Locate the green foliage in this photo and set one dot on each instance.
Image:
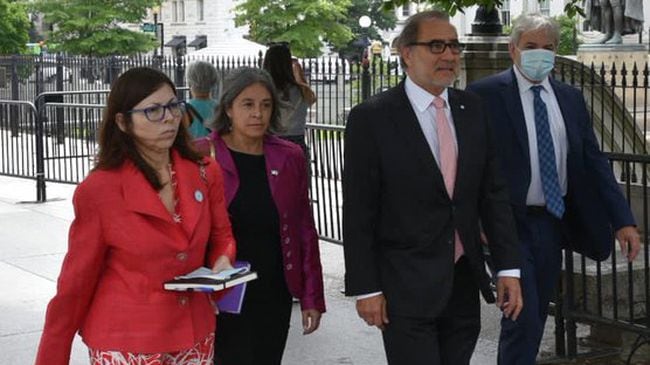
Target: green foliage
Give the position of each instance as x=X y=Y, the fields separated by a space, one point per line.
x=92 y=27
x=381 y=20
x=572 y=7
x=14 y=27
x=568 y=37
x=305 y=24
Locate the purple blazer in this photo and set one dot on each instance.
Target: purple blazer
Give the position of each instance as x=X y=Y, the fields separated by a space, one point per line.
x=287 y=175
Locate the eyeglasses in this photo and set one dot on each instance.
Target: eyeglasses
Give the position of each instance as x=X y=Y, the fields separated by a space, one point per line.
x=437 y=46
x=156 y=113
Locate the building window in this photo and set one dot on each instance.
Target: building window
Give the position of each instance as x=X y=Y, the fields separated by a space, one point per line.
x=406 y=9
x=199 y=10
x=504 y=10
x=174 y=11
x=545 y=7
x=181 y=11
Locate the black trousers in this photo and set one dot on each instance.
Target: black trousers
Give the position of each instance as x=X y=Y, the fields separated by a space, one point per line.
x=256 y=338
x=446 y=340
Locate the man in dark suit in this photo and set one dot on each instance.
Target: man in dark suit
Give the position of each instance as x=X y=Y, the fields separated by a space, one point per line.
x=420 y=171
x=561 y=186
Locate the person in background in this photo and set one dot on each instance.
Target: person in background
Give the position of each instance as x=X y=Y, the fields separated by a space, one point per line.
x=266 y=193
x=151 y=209
x=202 y=78
x=303 y=83
x=295 y=95
x=561 y=187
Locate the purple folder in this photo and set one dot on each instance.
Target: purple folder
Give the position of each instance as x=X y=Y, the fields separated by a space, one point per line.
x=233 y=300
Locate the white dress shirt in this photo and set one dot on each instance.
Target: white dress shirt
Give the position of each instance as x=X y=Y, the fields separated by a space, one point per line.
x=421 y=100
x=558 y=134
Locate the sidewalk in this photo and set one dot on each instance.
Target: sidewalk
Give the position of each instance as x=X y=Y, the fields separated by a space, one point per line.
x=33 y=242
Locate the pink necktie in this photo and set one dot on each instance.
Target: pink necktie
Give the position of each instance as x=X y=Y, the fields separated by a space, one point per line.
x=448 y=156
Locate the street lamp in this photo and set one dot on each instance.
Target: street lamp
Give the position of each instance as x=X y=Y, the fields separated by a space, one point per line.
x=364 y=21
x=156 y=10
x=363 y=43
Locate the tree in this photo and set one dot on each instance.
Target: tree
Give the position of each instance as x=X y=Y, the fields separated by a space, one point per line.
x=14 y=27
x=305 y=24
x=381 y=20
x=571 y=8
x=93 y=27
x=568 y=40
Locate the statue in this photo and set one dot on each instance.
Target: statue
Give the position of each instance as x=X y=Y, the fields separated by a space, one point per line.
x=615 y=18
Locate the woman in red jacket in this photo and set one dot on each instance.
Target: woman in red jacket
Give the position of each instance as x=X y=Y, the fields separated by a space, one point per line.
x=151 y=209
x=266 y=192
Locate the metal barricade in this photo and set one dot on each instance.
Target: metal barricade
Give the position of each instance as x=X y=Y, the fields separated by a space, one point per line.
x=326 y=167
x=19 y=139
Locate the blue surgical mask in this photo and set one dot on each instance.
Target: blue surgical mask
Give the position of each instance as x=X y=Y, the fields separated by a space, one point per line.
x=536 y=64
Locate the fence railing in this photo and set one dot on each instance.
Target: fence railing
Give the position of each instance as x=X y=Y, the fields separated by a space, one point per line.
x=613 y=294
x=18 y=142
x=326 y=167
x=338 y=84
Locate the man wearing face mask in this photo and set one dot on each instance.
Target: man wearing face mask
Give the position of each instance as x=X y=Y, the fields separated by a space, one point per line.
x=562 y=190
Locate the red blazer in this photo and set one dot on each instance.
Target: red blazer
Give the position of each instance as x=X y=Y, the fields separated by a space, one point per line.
x=286 y=171
x=123 y=244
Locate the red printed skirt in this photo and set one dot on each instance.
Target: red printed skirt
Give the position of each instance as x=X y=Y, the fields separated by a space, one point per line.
x=201 y=354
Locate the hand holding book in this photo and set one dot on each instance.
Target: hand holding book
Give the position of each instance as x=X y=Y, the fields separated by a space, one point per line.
x=221 y=263
x=204 y=279
x=204 y=272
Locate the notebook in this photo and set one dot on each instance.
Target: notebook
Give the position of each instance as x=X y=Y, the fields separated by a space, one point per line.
x=203 y=279
x=232 y=301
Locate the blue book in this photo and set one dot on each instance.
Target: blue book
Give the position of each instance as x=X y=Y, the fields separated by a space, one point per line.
x=233 y=300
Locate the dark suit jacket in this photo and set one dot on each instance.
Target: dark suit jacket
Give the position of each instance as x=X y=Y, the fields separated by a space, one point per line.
x=594 y=202
x=399 y=221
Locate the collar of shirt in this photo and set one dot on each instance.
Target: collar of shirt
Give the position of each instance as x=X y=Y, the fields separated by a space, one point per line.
x=420 y=98
x=524 y=84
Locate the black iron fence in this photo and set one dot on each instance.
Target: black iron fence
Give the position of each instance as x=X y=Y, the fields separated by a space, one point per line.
x=338 y=84
x=612 y=296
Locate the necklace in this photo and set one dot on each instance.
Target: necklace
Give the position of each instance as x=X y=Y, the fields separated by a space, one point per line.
x=176 y=217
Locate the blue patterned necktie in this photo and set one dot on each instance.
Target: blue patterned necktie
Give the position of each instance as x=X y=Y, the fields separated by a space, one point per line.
x=546 y=155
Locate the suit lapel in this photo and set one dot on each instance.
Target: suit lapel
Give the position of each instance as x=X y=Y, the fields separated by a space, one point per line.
x=139 y=196
x=510 y=94
x=274 y=165
x=407 y=125
x=223 y=156
x=567 y=114
x=192 y=192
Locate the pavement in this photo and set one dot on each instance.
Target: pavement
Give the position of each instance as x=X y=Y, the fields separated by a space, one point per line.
x=33 y=242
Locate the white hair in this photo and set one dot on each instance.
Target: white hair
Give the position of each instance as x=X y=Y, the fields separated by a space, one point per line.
x=201 y=76
x=535 y=21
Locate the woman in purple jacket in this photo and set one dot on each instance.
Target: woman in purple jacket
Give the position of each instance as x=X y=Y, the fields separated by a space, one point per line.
x=266 y=191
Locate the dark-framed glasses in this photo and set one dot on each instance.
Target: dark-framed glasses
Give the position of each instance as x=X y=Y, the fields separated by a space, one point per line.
x=437 y=46
x=156 y=113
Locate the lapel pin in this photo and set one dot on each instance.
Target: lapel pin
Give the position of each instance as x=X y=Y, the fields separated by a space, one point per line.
x=462 y=106
x=274 y=172
x=198 y=195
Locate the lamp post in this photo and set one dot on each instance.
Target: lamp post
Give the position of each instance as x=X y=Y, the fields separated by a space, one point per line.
x=364 y=23
x=156 y=10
